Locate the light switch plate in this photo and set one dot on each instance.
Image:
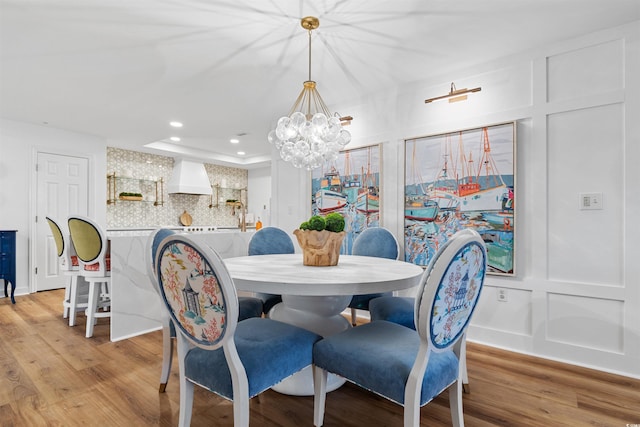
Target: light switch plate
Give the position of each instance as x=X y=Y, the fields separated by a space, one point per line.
x=591 y=201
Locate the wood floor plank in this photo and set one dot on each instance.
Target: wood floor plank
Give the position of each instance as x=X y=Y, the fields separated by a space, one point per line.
x=51 y=375
x=15 y=384
x=54 y=379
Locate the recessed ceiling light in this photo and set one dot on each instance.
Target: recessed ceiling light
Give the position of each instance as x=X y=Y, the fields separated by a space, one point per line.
x=176 y=124
x=174 y=139
x=234 y=140
x=241 y=153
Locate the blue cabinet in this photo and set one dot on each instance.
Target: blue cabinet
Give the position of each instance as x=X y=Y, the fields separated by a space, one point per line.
x=8 y=261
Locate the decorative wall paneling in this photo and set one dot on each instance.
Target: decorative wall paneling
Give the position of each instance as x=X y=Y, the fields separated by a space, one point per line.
x=575 y=297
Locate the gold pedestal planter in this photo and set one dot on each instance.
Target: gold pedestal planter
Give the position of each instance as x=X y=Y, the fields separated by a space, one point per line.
x=319 y=248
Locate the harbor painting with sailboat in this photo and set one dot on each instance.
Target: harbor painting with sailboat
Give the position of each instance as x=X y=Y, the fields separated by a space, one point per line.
x=462 y=179
x=350 y=186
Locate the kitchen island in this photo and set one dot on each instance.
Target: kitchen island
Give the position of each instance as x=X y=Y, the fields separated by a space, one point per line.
x=135 y=305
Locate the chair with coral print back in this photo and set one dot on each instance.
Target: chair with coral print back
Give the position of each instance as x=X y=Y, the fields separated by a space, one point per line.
x=376 y=242
x=92 y=249
x=75 y=292
x=248 y=306
x=236 y=360
x=424 y=362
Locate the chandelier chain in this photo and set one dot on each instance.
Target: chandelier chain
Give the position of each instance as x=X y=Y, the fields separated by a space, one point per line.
x=309 y=55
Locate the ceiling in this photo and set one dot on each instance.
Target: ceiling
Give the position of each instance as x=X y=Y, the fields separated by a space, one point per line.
x=122 y=70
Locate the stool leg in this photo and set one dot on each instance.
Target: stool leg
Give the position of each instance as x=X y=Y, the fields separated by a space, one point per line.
x=67 y=298
x=105 y=296
x=94 y=294
x=73 y=300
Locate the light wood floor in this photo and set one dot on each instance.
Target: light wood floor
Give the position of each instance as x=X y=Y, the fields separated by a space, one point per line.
x=51 y=375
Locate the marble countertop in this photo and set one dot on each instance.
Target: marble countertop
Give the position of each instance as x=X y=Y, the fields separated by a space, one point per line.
x=173 y=227
x=129 y=232
x=135 y=305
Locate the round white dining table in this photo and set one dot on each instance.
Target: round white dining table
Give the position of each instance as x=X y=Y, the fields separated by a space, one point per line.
x=315 y=297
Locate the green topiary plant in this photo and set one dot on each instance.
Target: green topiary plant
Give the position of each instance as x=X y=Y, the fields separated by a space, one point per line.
x=317 y=223
x=334 y=222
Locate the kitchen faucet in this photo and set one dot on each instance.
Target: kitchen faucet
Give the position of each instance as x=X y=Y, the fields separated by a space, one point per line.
x=242 y=217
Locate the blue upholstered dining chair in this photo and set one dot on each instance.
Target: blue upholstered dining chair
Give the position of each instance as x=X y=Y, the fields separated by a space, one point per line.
x=406 y=366
x=375 y=242
x=248 y=306
x=401 y=310
x=236 y=360
x=268 y=241
x=94 y=259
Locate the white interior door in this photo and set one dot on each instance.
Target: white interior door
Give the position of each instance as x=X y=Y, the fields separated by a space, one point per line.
x=63 y=184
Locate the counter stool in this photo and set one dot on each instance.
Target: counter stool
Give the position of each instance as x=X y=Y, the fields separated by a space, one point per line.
x=92 y=248
x=75 y=292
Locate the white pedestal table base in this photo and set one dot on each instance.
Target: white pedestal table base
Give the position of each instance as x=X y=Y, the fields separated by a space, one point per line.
x=319 y=314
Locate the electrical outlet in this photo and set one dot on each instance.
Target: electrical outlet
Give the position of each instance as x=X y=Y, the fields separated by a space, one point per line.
x=502 y=295
x=590 y=201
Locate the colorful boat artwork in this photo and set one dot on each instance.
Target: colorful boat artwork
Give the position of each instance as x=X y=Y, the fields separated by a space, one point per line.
x=464 y=188
x=350 y=185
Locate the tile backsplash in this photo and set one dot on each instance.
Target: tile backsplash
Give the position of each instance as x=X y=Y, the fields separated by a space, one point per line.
x=150 y=167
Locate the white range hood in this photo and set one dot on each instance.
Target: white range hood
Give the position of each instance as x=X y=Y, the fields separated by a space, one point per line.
x=189 y=177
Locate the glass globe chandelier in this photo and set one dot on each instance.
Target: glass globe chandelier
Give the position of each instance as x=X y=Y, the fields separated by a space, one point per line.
x=309 y=135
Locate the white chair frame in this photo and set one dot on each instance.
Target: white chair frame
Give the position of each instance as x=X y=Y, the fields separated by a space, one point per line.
x=425 y=300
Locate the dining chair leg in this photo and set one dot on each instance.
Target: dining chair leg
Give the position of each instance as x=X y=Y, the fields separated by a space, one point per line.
x=455 y=404
x=320 y=395
x=466 y=388
x=353 y=317
x=167 y=357
x=186 y=403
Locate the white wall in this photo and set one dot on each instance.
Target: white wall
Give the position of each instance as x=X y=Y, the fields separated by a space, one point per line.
x=259 y=194
x=19 y=145
x=576 y=293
